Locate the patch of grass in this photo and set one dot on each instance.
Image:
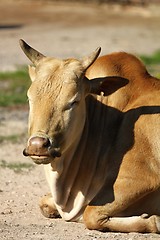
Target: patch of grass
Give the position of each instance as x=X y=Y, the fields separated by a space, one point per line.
x=13 y=87
x=158 y=75
x=152 y=59
x=152 y=63
x=16 y=166
x=12 y=138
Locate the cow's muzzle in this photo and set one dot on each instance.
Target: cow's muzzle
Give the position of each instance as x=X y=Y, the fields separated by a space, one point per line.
x=41 y=150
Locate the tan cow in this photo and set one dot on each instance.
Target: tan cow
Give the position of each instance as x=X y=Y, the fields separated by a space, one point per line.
x=99 y=139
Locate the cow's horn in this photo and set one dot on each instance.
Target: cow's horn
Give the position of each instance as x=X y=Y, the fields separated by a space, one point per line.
x=87 y=61
x=30 y=52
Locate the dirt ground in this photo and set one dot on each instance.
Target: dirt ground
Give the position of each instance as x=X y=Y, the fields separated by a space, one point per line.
x=60 y=30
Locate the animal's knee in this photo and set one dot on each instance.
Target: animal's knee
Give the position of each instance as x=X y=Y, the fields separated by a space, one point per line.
x=94 y=219
x=47 y=207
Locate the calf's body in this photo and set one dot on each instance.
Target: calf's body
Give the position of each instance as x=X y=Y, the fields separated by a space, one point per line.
x=95 y=124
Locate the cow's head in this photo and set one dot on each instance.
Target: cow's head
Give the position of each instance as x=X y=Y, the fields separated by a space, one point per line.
x=57 y=102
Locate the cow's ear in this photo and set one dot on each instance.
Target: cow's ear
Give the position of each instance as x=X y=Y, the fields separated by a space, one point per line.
x=107 y=85
x=32 y=72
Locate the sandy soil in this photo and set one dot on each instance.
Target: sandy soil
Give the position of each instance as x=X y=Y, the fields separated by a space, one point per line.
x=61 y=30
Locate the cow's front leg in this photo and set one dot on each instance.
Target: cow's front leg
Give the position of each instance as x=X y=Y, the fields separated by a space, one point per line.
x=96 y=218
x=47 y=207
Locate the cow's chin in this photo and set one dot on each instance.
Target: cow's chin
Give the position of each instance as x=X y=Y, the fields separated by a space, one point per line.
x=41 y=159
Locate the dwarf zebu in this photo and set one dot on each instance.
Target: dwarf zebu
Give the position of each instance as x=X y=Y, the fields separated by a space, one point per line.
x=95 y=125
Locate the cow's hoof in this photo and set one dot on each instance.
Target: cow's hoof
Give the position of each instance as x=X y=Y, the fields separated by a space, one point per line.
x=154 y=224
x=47 y=207
x=157 y=221
x=154 y=221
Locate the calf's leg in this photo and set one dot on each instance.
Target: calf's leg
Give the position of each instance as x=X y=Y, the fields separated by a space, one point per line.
x=107 y=216
x=95 y=218
x=47 y=207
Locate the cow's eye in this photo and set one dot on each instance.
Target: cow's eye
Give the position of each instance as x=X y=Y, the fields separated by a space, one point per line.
x=71 y=105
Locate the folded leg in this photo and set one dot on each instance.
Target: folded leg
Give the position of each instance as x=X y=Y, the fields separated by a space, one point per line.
x=48 y=207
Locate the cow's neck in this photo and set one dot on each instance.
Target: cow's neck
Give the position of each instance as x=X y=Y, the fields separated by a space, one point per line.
x=81 y=171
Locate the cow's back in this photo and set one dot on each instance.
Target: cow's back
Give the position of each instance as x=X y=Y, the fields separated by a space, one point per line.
x=142 y=89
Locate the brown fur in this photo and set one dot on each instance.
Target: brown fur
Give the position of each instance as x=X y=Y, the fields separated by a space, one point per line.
x=106 y=133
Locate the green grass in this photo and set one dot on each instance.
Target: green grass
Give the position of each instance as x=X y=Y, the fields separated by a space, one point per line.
x=151 y=59
x=16 y=166
x=13 y=87
x=152 y=63
x=15 y=138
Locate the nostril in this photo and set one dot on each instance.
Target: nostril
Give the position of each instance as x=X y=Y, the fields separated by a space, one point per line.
x=25 y=153
x=46 y=142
